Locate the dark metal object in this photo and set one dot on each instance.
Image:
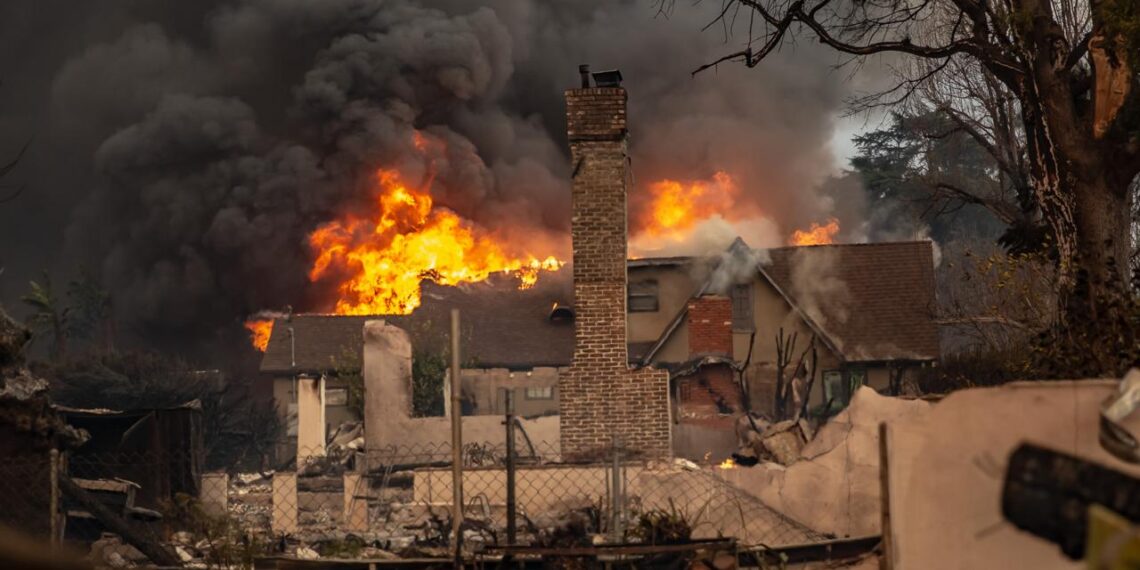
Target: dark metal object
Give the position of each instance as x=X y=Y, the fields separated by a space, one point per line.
x=512 y=508
x=1048 y=493
x=584 y=72
x=611 y=549
x=828 y=550
x=456 y=443
x=608 y=78
x=616 y=530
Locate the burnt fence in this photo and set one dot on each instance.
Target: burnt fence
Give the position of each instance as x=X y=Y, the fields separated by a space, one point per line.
x=390 y=502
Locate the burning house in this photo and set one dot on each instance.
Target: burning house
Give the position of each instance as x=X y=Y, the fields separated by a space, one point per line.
x=661 y=352
x=825 y=318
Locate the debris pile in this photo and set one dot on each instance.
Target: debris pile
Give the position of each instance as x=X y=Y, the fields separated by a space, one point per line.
x=25 y=410
x=250 y=501
x=832 y=484
x=344 y=446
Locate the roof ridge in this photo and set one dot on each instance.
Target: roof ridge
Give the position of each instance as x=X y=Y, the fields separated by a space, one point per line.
x=859 y=244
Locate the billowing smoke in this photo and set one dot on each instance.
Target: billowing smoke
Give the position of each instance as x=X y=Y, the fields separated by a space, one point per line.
x=185 y=152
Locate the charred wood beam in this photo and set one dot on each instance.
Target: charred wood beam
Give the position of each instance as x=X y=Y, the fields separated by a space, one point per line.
x=154 y=550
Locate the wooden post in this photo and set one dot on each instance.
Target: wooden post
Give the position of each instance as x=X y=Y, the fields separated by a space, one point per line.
x=56 y=535
x=456 y=443
x=887 y=561
x=158 y=553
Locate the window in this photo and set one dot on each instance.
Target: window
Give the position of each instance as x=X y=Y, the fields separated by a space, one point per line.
x=833 y=388
x=540 y=393
x=336 y=396
x=742 y=307
x=643 y=297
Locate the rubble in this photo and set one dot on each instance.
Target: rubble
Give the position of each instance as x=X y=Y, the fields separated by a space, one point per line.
x=762 y=441
x=25 y=408
x=833 y=483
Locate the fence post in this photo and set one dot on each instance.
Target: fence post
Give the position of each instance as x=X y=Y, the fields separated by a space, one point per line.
x=456 y=442
x=54 y=478
x=214 y=492
x=512 y=508
x=355 y=505
x=284 y=518
x=618 y=503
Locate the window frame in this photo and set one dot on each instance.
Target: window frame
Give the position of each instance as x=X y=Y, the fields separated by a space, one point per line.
x=548 y=392
x=339 y=390
x=743 y=308
x=631 y=294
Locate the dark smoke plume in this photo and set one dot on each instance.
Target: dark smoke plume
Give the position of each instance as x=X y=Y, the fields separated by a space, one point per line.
x=185 y=151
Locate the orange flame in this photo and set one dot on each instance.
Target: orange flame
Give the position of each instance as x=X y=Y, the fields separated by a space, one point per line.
x=727 y=464
x=817 y=234
x=676 y=207
x=259 y=332
x=409 y=239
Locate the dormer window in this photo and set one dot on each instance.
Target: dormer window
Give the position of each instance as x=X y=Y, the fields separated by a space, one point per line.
x=643 y=296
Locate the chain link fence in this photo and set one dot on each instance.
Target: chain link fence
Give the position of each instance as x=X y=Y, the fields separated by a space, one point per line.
x=382 y=503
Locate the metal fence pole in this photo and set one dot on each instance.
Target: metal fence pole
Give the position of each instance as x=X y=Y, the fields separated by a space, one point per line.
x=54 y=478
x=617 y=506
x=512 y=508
x=456 y=443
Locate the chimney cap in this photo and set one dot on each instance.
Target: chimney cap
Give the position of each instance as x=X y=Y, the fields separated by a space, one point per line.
x=584 y=73
x=608 y=78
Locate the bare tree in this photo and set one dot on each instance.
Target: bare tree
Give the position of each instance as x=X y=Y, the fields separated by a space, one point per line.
x=785 y=349
x=7 y=194
x=1047 y=85
x=799 y=385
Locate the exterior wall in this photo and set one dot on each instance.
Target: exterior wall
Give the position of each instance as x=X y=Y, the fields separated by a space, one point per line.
x=310 y=416
x=674 y=288
x=483 y=389
x=600 y=396
x=388 y=425
x=710 y=391
x=710 y=325
x=285 y=403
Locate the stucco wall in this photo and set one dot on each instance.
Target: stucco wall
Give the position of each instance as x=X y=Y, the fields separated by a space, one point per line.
x=483 y=388
x=674 y=287
x=388 y=424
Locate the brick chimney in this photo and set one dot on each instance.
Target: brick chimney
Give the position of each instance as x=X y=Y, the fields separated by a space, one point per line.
x=600 y=397
x=710 y=326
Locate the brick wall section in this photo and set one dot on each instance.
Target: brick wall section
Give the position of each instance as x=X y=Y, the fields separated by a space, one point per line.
x=599 y=395
x=712 y=390
x=710 y=325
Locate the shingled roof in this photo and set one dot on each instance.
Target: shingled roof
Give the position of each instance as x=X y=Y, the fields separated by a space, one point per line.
x=880 y=296
x=503 y=327
x=868 y=302
x=872 y=302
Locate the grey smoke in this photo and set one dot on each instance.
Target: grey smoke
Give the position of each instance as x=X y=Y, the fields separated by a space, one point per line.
x=185 y=151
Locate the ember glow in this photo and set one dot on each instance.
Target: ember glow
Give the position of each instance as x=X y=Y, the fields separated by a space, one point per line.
x=382 y=258
x=259 y=331
x=817 y=234
x=727 y=464
x=676 y=207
